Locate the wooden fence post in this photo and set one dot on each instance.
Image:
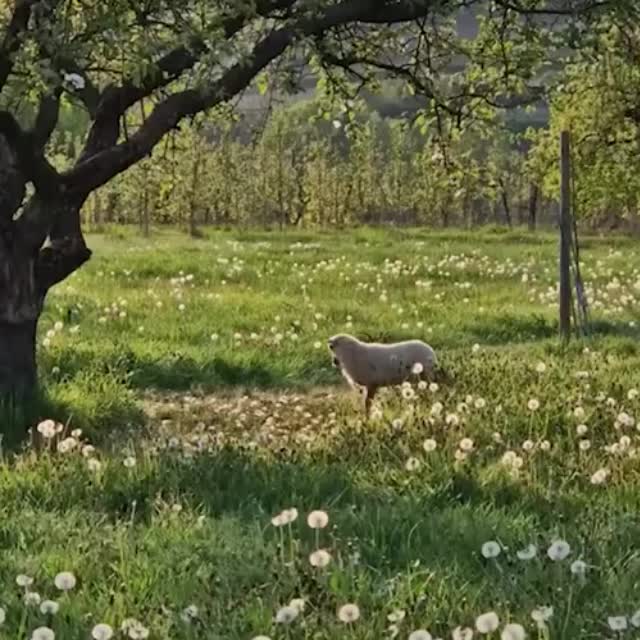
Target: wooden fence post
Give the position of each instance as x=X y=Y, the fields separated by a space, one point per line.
x=565 y=236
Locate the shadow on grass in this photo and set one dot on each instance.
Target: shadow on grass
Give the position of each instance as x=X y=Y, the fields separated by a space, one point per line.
x=512 y=329
x=391 y=525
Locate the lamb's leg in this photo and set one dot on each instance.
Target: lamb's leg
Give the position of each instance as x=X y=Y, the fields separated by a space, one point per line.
x=369 y=395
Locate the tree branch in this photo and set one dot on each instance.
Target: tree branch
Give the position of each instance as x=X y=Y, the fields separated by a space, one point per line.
x=31 y=160
x=46 y=118
x=116 y=100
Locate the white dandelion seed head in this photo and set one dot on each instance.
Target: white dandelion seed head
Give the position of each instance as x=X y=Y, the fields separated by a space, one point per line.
x=349 y=613
x=429 y=445
x=541 y=367
x=32 y=599
x=466 y=445
x=420 y=634
x=491 y=549
x=320 y=558
x=102 y=631
x=129 y=462
x=24 y=581
x=397 y=615
x=578 y=567
x=541 y=615
x=462 y=633
x=487 y=622
x=47 y=429
x=318 y=519
x=545 y=445
x=433 y=387
x=528 y=553
x=190 y=613
x=65 y=581
x=49 y=607
x=617 y=623
x=412 y=464
x=94 y=465
x=43 y=633
x=286 y=615
x=582 y=429
x=67 y=445
x=417 y=368
x=559 y=550
x=533 y=404
x=579 y=413
x=513 y=631
x=298 y=603
x=600 y=476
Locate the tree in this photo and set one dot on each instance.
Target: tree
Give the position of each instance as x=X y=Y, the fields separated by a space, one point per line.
x=183 y=58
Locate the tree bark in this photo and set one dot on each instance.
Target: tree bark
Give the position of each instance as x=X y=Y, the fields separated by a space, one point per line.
x=533 y=206
x=18 y=370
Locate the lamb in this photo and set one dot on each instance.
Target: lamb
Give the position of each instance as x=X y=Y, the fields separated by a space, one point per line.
x=373 y=365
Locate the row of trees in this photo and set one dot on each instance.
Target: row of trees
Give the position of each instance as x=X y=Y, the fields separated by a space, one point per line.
x=344 y=170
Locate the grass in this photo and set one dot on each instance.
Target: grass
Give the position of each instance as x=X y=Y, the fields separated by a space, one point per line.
x=211 y=418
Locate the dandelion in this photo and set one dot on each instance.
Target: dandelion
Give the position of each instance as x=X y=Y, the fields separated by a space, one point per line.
x=318 y=519
x=600 y=477
x=584 y=445
x=528 y=553
x=545 y=445
x=32 y=599
x=475 y=348
x=349 y=613
x=43 y=633
x=129 y=462
x=579 y=413
x=582 y=429
x=298 y=603
x=528 y=445
x=632 y=394
x=487 y=623
x=533 y=404
x=408 y=393
x=49 y=607
x=320 y=558
x=559 y=550
x=420 y=634
x=137 y=631
x=491 y=549
x=417 y=368
x=541 y=615
x=635 y=619
x=480 y=403
x=102 y=631
x=398 y=615
x=617 y=623
x=429 y=445
x=578 y=567
x=541 y=367
x=261 y=638
x=94 y=465
x=513 y=631
x=462 y=633
x=466 y=445
x=24 y=581
x=47 y=429
x=67 y=445
x=433 y=387
x=397 y=424
x=88 y=450
x=412 y=464
x=65 y=581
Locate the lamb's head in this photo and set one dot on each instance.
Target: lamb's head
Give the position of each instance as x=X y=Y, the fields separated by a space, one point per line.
x=340 y=345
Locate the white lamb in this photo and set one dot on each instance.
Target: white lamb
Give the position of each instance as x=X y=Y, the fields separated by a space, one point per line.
x=373 y=365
